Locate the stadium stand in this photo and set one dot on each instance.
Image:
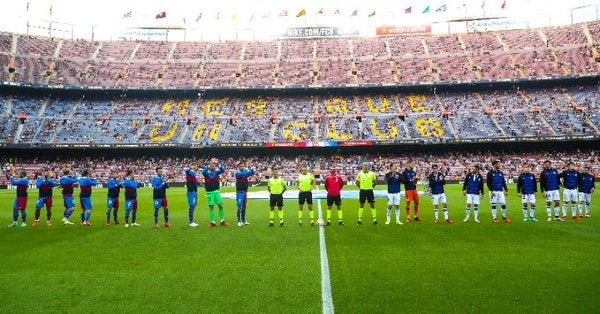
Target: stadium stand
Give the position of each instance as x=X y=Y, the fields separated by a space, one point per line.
x=546 y=52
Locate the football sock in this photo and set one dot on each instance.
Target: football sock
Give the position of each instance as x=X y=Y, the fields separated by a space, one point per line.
x=300 y=214
x=416 y=209
x=15 y=214
x=115 y=214
x=504 y=211
x=49 y=213
x=239 y=214
x=476 y=212
x=556 y=210
x=166 y=214
x=436 y=213
x=244 y=214
x=23 y=216
x=281 y=215
x=574 y=209
x=374 y=214
x=328 y=214
x=565 y=208
x=389 y=214
x=222 y=214
x=82 y=216
x=407 y=209
x=134 y=216
x=88 y=215
x=445 y=213
x=360 y=213
x=532 y=212
x=191 y=214
x=494 y=211
x=71 y=210
x=525 y=211
x=108 y=212
x=37 y=213
x=468 y=212
x=127 y=216
x=212 y=215
x=156 y=216
x=340 y=215
x=311 y=214
x=271 y=215
x=397 y=213
x=549 y=210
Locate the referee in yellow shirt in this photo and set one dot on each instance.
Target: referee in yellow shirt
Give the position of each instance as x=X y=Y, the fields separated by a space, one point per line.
x=306 y=183
x=276 y=188
x=366 y=181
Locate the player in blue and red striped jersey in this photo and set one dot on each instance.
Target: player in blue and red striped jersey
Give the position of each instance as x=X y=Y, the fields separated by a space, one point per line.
x=66 y=183
x=112 y=198
x=45 y=184
x=85 y=197
x=241 y=191
x=20 y=204
x=131 y=204
x=191 y=183
x=159 y=195
x=212 y=183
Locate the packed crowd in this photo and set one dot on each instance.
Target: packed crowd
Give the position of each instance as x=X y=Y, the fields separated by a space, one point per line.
x=551 y=52
x=452 y=165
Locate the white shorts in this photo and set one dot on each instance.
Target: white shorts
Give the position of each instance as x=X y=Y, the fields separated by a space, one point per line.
x=497 y=197
x=570 y=195
x=393 y=199
x=528 y=199
x=552 y=196
x=585 y=197
x=439 y=198
x=473 y=199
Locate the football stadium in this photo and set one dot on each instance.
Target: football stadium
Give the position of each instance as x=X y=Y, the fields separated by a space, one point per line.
x=300 y=156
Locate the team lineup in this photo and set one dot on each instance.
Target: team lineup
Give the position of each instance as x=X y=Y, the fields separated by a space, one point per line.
x=577 y=190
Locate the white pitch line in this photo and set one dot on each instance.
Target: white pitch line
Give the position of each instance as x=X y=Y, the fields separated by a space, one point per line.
x=325 y=280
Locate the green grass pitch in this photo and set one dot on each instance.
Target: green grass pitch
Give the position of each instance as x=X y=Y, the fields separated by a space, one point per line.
x=418 y=267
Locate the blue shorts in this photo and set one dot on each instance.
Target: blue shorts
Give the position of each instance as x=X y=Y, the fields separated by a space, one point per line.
x=44 y=201
x=112 y=203
x=86 y=203
x=69 y=202
x=160 y=202
x=130 y=205
x=192 y=198
x=241 y=198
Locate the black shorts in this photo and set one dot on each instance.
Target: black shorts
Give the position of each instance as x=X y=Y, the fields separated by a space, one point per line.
x=366 y=195
x=334 y=199
x=305 y=197
x=276 y=200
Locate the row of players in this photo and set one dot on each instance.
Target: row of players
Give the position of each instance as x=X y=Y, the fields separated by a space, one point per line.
x=577 y=191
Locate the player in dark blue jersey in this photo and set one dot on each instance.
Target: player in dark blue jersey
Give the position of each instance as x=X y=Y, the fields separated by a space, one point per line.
x=498 y=190
x=86 y=182
x=241 y=191
x=473 y=189
x=112 y=198
x=435 y=186
x=394 y=181
x=570 y=182
x=45 y=184
x=527 y=190
x=550 y=188
x=191 y=183
x=587 y=185
x=160 y=184
x=66 y=183
x=20 y=204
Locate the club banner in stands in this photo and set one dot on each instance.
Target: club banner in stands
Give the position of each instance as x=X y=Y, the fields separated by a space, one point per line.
x=402 y=30
x=495 y=25
x=319 y=31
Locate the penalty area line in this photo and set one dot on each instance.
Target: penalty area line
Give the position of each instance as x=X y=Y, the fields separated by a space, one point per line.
x=325 y=279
